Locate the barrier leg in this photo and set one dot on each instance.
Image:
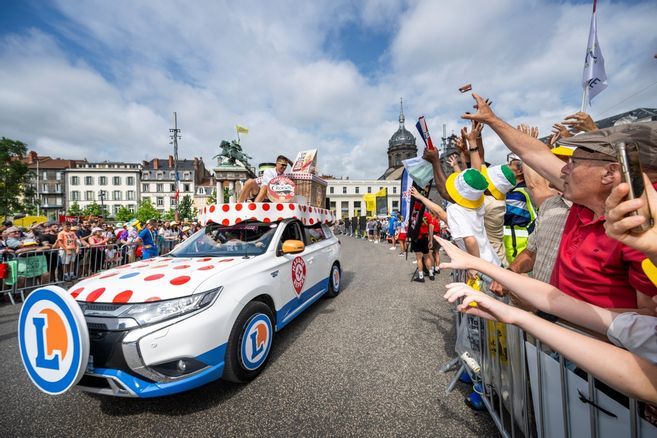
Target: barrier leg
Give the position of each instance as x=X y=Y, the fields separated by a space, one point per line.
x=452 y=384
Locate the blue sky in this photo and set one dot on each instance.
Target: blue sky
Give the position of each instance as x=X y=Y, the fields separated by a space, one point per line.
x=100 y=80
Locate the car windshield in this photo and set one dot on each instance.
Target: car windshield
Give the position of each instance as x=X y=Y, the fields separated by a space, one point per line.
x=214 y=240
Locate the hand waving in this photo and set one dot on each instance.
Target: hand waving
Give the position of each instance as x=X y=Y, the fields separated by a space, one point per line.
x=580 y=121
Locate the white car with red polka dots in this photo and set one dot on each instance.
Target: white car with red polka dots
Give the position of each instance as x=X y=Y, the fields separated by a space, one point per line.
x=211 y=307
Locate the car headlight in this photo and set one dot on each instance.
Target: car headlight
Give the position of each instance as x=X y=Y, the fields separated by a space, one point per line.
x=150 y=313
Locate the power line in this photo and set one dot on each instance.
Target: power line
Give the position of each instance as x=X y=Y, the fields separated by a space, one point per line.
x=602 y=113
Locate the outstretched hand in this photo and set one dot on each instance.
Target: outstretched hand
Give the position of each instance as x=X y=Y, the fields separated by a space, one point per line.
x=416 y=194
x=484 y=112
x=484 y=305
x=459 y=259
x=454 y=163
x=619 y=226
x=580 y=121
x=529 y=130
x=474 y=133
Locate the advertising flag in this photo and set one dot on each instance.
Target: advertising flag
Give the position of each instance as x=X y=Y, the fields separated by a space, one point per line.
x=405 y=197
x=594 y=77
x=241 y=129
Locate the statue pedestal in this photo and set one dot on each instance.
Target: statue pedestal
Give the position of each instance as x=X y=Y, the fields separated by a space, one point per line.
x=231 y=177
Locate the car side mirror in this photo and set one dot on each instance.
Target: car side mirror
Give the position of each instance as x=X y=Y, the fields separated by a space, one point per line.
x=292 y=246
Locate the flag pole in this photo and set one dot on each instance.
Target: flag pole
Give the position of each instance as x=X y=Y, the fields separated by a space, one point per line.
x=585 y=97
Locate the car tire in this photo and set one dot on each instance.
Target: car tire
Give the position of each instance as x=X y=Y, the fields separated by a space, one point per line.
x=335 y=281
x=249 y=344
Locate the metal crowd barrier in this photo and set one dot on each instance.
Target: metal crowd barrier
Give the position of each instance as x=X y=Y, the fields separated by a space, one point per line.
x=530 y=391
x=29 y=270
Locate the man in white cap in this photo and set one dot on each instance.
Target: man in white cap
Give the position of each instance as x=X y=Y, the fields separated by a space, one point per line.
x=501 y=180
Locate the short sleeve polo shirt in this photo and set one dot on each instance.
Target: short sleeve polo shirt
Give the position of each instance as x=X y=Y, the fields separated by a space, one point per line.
x=595 y=268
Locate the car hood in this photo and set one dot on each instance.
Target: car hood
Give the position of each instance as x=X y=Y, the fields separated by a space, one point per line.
x=160 y=278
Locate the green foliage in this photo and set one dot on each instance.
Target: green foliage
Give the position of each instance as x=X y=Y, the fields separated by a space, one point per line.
x=75 y=209
x=124 y=214
x=226 y=195
x=169 y=215
x=185 y=207
x=146 y=211
x=93 y=209
x=15 y=191
x=212 y=199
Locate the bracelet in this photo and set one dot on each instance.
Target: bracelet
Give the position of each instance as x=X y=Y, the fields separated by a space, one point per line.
x=473 y=149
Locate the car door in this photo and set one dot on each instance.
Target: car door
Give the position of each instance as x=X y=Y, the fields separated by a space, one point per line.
x=295 y=272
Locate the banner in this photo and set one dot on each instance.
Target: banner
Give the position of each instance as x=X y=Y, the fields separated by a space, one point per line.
x=594 y=77
x=417 y=213
x=405 y=196
x=382 y=202
x=370 y=204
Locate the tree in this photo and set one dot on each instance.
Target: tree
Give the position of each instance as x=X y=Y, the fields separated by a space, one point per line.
x=93 y=209
x=15 y=188
x=146 y=211
x=212 y=199
x=124 y=214
x=75 y=210
x=169 y=215
x=185 y=207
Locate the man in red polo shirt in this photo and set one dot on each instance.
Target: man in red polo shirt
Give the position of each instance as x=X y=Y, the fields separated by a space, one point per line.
x=590 y=265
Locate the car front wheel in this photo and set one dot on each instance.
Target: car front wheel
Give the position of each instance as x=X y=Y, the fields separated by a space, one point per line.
x=249 y=343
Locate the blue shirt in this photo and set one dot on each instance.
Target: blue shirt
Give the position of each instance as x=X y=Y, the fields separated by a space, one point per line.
x=392 y=225
x=147 y=238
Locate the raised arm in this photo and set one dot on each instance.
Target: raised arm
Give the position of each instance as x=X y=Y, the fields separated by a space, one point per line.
x=620 y=369
x=536 y=293
x=529 y=149
x=442 y=214
x=439 y=178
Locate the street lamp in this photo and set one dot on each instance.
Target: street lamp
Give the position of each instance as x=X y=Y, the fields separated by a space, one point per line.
x=102 y=203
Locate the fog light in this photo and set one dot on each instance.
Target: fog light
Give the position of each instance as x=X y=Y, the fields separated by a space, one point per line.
x=182 y=366
x=179 y=367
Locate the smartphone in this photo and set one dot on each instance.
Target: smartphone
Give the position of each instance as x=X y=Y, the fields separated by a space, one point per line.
x=628 y=157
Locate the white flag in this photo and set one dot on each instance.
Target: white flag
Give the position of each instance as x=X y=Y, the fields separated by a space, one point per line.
x=594 y=77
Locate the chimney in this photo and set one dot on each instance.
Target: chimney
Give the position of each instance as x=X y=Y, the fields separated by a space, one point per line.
x=32 y=157
x=170 y=161
x=156 y=164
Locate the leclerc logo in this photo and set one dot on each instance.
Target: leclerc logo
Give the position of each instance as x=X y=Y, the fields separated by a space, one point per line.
x=256 y=341
x=53 y=339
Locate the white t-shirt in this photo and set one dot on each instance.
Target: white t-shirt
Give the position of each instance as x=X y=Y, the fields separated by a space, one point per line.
x=636 y=333
x=267 y=176
x=464 y=222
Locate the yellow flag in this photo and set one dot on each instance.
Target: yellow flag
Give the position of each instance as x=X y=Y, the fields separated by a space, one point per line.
x=370 y=202
x=241 y=129
x=382 y=192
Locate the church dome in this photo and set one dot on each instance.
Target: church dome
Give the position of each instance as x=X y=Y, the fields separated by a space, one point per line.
x=401 y=138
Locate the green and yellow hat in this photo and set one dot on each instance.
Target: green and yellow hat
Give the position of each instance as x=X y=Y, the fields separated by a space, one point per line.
x=467 y=188
x=564 y=151
x=500 y=179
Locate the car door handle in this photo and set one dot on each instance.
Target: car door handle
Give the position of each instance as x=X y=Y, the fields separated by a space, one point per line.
x=274 y=273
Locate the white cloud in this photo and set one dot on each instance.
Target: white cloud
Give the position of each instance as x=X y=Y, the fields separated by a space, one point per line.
x=105 y=82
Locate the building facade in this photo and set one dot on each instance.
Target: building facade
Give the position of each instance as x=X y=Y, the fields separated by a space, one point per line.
x=111 y=185
x=49 y=183
x=345 y=196
x=401 y=146
x=158 y=181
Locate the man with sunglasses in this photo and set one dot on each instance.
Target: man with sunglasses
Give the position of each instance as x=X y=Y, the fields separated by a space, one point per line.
x=590 y=266
x=258 y=186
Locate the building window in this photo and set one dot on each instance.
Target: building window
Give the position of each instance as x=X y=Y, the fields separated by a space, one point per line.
x=102 y=180
x=394 y=190
x=144 y=188
x=89 y=180
x=344 y=209
x=357 y=189
x=44 y=188
x=89 y=195
x=117 y=195
x=333 y=206
x=75 y=180
x=160 y=201
x=395 y=205
x=173 y=201
x=369 y=189
x=146 y=199
x=145 y=175
x=58 y=187
x=172 y=187
x=116 y=180
x=357 y=208
x=58 y=176
x=116 y=208
x=159 y=188
x=172 y=175
x=344 y=190
x=130 y=181
x=160 y=175
x=75 y=195
x=186 y=188
x=130 y=195
x=187 y=175
x=45 y=175
x=331 y=189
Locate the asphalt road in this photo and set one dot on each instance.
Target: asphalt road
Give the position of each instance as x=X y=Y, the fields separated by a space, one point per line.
x=363 y=364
